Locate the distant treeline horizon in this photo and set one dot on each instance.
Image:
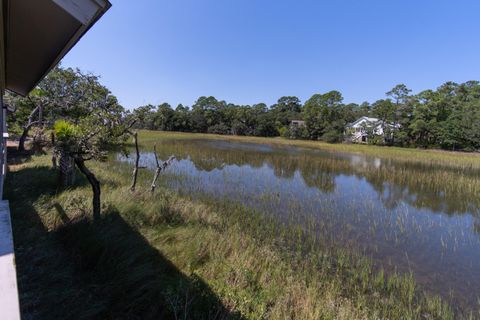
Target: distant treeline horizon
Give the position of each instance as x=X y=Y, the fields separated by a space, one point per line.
x=447 y=118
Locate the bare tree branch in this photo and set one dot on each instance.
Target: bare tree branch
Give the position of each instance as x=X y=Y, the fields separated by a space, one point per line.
x=137 y=160
x=159 y=168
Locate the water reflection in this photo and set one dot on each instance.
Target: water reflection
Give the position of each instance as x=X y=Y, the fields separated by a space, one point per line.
x=444 y=190
x=407 y=216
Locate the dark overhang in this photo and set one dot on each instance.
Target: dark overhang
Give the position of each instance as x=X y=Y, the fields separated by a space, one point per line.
x=38 y=34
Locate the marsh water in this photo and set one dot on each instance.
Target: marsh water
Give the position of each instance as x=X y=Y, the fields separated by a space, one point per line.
x=408 y=216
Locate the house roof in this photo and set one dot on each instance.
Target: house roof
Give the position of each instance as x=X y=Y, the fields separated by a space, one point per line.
x=364 y=118
x=37 y=35
x=374 y=122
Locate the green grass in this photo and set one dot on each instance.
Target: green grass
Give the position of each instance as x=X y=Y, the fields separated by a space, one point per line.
x=167 y=256
x=453 y=159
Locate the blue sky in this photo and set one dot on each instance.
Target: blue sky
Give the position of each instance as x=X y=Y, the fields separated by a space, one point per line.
x=250 y=51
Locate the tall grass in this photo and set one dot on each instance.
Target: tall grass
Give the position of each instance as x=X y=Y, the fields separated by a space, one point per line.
x=462 y=160
x=169 y=256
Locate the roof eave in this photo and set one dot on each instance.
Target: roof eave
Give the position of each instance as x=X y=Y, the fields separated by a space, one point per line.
x=70 y=44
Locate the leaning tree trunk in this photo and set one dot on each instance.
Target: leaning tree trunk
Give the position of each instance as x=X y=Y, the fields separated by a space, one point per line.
x=27 y=127
x=137 y=161
x=54 y=154
x=67 y=169
x=23 y=137
x=80 y=162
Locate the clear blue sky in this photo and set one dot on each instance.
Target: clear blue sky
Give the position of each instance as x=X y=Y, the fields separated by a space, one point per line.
x=250 y=51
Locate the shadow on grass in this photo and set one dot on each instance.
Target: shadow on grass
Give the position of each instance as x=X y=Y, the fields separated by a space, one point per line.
x=95 y=270
x=18 y=157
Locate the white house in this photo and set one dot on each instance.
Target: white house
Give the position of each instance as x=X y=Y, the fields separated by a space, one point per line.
x=359 y=130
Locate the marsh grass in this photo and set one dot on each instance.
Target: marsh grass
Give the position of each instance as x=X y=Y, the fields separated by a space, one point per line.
x=173 y=256
x=459 y=160
x=439 y=180
x=400 y=233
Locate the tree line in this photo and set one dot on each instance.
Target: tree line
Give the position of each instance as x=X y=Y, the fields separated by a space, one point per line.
x=80 y=119
x=447 y=118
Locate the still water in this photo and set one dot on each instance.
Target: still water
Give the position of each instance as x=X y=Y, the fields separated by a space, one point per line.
x=407 y=216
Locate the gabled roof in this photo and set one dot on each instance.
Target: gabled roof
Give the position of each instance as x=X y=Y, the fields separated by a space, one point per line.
x=374 y=122
x=38 y=33
x=364 y=118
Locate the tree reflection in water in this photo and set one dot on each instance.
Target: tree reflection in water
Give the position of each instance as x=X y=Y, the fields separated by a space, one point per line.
x=407 y=216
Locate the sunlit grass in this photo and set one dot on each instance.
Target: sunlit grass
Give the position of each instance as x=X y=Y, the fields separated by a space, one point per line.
x=454 y=159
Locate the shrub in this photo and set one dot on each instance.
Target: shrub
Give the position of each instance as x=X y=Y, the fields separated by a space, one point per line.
x=332 y=136
x=297 y=132
x=219 y=129
x=64 y=130
x=283 y=131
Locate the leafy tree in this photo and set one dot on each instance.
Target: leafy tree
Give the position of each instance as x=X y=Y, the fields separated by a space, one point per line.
x=164 y=117
x=265 y=121
x=322 y=114
x=399 y=94
x=181 y=119
x=90 y=137
x=286 y=109
x=364 y=109
x=206 y=112
x=350 y=112
x=402 y=116
x=385 y=111
x=145 y=117
x=62 y=94
x=424 y=126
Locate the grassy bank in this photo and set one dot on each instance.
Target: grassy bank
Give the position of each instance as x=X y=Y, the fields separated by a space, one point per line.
x=453 y=159
x=165 y=256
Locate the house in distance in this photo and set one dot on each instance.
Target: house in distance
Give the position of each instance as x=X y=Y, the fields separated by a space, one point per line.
x=297 y=123
x=365 y=128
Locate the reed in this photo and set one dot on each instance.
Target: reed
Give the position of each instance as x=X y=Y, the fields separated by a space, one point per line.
x=461 y=160
x=186 y=255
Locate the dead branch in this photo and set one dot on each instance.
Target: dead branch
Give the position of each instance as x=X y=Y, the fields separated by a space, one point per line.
x=130 y=125
x=159 y=169
x=137 y=160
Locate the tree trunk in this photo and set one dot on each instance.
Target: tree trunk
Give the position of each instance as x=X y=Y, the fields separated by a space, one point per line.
x=80 y=162
x=54 y=155
x=137 y=160
x=23 y=137
x=159 y=168
x=157 y=171
x=54 y=161
x=26 y=129
x=67 y=169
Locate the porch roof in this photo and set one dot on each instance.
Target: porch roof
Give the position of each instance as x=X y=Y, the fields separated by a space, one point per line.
x=37 y=35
